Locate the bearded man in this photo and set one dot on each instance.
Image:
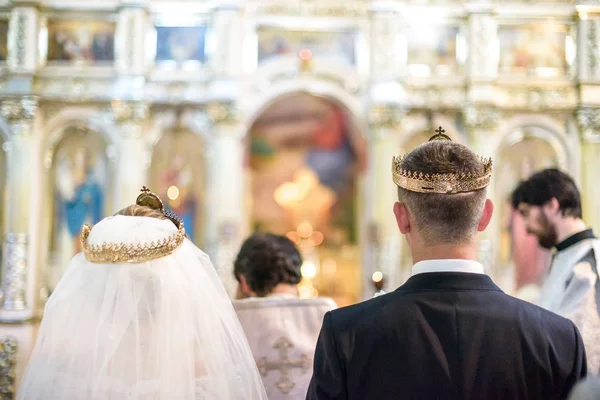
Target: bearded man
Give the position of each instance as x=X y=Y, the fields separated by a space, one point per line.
x=550 y=204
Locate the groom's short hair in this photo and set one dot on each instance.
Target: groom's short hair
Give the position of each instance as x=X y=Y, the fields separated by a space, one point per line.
x=444 y=218
x=266 y=260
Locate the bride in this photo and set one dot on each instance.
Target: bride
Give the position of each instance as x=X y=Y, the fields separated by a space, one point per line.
x=140 y=314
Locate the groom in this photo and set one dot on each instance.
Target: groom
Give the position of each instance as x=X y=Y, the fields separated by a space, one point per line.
x=449 y=332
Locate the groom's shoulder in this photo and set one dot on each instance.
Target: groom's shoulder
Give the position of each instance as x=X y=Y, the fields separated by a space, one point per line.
x=400 y=306
x=365 y=311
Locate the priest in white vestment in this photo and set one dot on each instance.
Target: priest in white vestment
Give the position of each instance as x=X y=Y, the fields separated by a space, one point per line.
x=551 y=206
x=281 y=328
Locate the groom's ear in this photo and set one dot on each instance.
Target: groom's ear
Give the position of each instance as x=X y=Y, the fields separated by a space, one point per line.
x=402 y=219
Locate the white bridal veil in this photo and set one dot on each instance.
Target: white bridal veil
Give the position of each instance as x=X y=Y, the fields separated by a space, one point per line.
x=160 y=329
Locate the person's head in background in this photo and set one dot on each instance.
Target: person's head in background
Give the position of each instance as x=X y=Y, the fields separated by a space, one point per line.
x=442 y=225
x=550 y=204
x=267 y=264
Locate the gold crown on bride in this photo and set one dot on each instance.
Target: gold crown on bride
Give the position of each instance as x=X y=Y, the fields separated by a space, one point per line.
x=416 y=181
x=112 y=253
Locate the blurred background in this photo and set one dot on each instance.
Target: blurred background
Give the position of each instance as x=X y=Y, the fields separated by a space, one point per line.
x=282 y=116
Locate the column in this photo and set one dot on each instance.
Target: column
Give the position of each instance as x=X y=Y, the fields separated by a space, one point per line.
x=130 y=118
x=483 y=47
x=388 y=51
x=588 y=114
x=483 y=43
x=480 y=118
x=225 y=198
x=388 y=46
x=589 y=125
x=588 y=32
x=482 y=122
x=226 y=42
x=588 y=55
x=130 y=56
x=23 y=38
x=19 y=296
x=383 y=248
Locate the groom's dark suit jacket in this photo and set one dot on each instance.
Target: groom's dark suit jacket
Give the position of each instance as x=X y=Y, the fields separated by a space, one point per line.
x=446 y=335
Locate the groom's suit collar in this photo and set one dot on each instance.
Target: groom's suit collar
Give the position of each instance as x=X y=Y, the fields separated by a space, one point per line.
x=448 y=275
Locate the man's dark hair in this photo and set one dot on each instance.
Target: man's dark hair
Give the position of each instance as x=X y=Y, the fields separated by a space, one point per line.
x=267 y=260
x=545 y=185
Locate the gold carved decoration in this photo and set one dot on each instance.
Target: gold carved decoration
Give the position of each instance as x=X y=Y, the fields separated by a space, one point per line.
x=592 y=47
x=129 y=111
x=284 y=365
x=588 y=120
x=129 y=116
x=222 y=113
x=485 y=118
x=19 y=114
x=349 y=9
x=386 y=116
x=17 y=58
x=19 y=109
x=14 y=284
x=8 y=365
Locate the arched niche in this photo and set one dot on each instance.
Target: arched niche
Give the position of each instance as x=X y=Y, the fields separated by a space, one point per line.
x=177 y=174
x=81 y=176
x=306 y=156
x=258 y=101
x=525 y=151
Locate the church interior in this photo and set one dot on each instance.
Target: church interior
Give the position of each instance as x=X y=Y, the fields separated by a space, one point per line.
x=282 y=117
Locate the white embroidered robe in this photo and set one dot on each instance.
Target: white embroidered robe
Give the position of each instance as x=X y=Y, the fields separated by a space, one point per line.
x=282 y=331
x=572 y=289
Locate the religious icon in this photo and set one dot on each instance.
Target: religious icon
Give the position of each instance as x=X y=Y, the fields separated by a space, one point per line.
x=80 y=196
x=3 y=40
x=276 y=41
x=81 y=42
x=433 y=49
x=181 y=43
x=534 y=49
x=79 y=173
x=305 y=157
x=302 y=145
x=178 y=174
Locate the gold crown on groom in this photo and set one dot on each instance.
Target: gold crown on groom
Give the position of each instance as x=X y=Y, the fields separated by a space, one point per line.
x=452 y=183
